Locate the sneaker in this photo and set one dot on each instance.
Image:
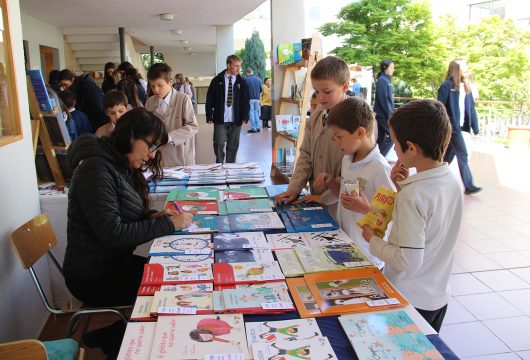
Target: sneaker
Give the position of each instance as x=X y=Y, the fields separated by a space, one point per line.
x=251 y=131
x=472 y=190
x=258 y=130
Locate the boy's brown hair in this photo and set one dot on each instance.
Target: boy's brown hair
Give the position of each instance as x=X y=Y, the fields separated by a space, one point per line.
x=113 y=98
x=160 y=71
x=331 y=68
x=231 y=58
x=351 y=114
x=424 y=123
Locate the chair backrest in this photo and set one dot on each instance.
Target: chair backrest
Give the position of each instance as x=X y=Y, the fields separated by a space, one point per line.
x=33 y=240
x=23 y=350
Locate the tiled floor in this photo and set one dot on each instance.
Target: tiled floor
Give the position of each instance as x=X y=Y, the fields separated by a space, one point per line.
x=489 y=314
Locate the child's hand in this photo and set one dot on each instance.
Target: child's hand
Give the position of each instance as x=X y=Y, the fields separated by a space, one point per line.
x=368 y=232
x=168 y=212
x=287 y=197
x=321 y=181
x=399 y=173
x=309 y=198
x=358 y=204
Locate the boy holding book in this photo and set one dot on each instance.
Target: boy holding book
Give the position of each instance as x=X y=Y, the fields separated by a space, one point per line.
x=352 y=124
x=427 y=215
x=115 y=105
x=330 y=78
x=176 y=111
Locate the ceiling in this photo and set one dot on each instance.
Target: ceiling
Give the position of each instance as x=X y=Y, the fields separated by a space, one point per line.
x=196 y=18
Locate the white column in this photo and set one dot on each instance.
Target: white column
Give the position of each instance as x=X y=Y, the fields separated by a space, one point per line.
x=224 y=45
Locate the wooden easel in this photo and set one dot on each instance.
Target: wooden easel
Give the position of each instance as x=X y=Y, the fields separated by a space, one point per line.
x=40 y=131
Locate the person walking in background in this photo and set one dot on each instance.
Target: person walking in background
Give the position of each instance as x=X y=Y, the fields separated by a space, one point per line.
x=109 y=80
x=266 y=103
x=193 y=94
x=227 y=105
x=455 y=93
x=181 y=86
x=254 y=91
x=384 y=105
x=355 y=87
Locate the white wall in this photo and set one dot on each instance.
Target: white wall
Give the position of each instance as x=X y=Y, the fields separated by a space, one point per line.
x=201 y=64
x=21 y=312
x=37 y=33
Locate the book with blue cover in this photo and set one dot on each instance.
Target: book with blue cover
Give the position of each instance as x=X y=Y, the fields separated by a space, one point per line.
x=243 y=255
x=241 y=240
x=248 y=206
x=274 y=190
x=299 y=206
x=297 y=52
x=41 y=93
x=256 y=222
x=200 y=224
x=287 y=222
x=312 y=220
x=223 y=223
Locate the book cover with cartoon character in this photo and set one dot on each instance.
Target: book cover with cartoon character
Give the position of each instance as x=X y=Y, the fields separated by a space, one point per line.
x=310 y=349
x=246 y=272
x=180 y=245
x=281 y=332
x=172 y=274
x=240 y=240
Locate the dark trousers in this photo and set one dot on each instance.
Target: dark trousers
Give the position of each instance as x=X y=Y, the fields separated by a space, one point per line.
x=226 y=133
x=384 y=141
x=118 y=288
x=435 y=317
x=457 y=147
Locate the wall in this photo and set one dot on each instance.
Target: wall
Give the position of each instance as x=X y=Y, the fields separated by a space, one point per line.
x=201 y=64
x=21 y=313
x=133 y=55
x=37 y=32
x=70 y=61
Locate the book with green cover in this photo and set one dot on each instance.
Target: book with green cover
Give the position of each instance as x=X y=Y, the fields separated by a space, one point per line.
x=246 y=193
x=285 y=54
x=201 y=194
x=248 y=206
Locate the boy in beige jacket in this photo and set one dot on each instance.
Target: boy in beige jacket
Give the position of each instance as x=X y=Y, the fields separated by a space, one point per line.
x=176 y=111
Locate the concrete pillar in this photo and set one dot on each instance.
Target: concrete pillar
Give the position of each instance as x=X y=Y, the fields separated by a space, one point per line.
x=224 y=45
x=121 y=32
x=151 y=55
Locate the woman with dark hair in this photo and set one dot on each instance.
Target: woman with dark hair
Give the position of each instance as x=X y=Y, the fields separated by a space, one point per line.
x=53 y=81
x=109 y=79
x=132 y=75
x=456 y=94
x=384 y=105
x=130 y=89
x=108 y=209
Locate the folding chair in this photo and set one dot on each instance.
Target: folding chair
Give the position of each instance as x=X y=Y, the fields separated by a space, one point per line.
x=36 y=350
x=35 y=239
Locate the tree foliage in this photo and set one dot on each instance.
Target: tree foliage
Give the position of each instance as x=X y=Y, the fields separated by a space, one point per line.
x=254 y=56
x=401 y=30
x=146 y=59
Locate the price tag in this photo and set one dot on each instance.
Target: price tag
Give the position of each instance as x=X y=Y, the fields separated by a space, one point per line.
x=279 y=305
x=197 y=251
x=383 y=302
x=177 y=310
x=313 y=208
x=259 y=210
x=315 y=226
x=225 y=356
x=190 y=278
x=268 y=277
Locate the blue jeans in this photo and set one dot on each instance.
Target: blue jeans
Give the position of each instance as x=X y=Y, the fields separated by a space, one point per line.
x=457 y=147
x=253 y=114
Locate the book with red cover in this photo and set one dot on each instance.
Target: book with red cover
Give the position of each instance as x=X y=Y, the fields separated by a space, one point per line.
x=247 y=273
x=170 y=274
x=149 y=290
x=195 y=207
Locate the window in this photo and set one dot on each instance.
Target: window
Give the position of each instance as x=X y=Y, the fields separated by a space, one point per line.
x=10 y=129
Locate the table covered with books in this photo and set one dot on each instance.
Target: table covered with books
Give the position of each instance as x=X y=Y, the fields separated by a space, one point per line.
x=249 y=280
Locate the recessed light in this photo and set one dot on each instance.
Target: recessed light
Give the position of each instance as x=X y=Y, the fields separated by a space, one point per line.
x=187 y=48
x=176 y=32
x=184 y=42
x=166 y=16
x=192 y=54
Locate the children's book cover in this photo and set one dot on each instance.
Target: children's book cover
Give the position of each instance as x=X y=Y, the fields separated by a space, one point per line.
x=274 y=190
x=248 y=206
x=289 y=228
x=244 y=255
x=289 y=263
x=297 y=52
x=311 y=220
x=200 y=301
x=300 y=206
x=304 y=300
x=281 y=332
x=194 y=207
x=223 y=224
x=247 y=272
x=284 y=122
x=202 y=194
x=296 y=122
x=149 y=290
x=201 y=259
x=285 y=240
x=259 y=221
x=246 y=193
x=201 y=224
x=330 y=257
x=142 y=309
x=354 y=290
x=326 y=238
x=285 y=54
x=311 y=349
x=221 y=206
x=258 y=300
x=180 y=245
x=137 y=341
x=218 y=302
x=241 y=240
x=193 y=337
x=171 y=274
x=306 y=48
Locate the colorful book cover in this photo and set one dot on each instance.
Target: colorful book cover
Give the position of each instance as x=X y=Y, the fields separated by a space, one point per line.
x=201 y=259
x=306 y=48
x=172 y=274
x=334 y=237
x=284 y=122
x=297 y=52
x=201 y=302
x=202 y=194
x=246 y=272
x=246 y=255
x=258 y=300
x=296 y=122
x=259 y=221
x=142 y=309
x=289 y=263
x=194 y=207
x=241 y=240
x=311 y=220
x=281 y=332
x=285 y=54
x=330 y=257
x=221 y=206
x=316 y=348
x=223 y=224
x=354 y=290
x=289 y=228
x=285 y=240
x=137 y=341
x=201 y=224
x=41 y=93
x=173 y=195
x=274 y=190
x=180 y=245
x=305 y=302
x=248 y=206
x=149 y=290
x=246 y=193
x=193 y=337
x=300 y=206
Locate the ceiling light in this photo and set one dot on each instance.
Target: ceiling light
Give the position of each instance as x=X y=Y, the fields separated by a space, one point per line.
x=176 y=32
x=192 y=54
x=184 y=42
x=166 y=16
x=187 y=48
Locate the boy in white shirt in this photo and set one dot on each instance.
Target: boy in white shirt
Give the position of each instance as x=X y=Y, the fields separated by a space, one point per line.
x=428 y=210
x=352 y=123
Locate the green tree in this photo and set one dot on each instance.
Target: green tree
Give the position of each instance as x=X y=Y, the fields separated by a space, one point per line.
x=241 y=54
x=401 y=30
x=146 y=59
x=254 y=57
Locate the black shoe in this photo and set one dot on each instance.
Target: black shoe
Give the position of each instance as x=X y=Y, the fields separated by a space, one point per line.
x=472 y=190
x=258 y=130
x=251 y=131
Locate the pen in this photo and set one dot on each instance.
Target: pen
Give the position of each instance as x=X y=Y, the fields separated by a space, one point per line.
x=176 y=206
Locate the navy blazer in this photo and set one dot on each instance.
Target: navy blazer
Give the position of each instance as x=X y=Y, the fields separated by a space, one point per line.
x=384 y=100
x=215 y=100
x=448 y=96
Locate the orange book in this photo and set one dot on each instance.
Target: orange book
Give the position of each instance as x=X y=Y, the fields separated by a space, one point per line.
x=354 y=290
x=303 y=299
